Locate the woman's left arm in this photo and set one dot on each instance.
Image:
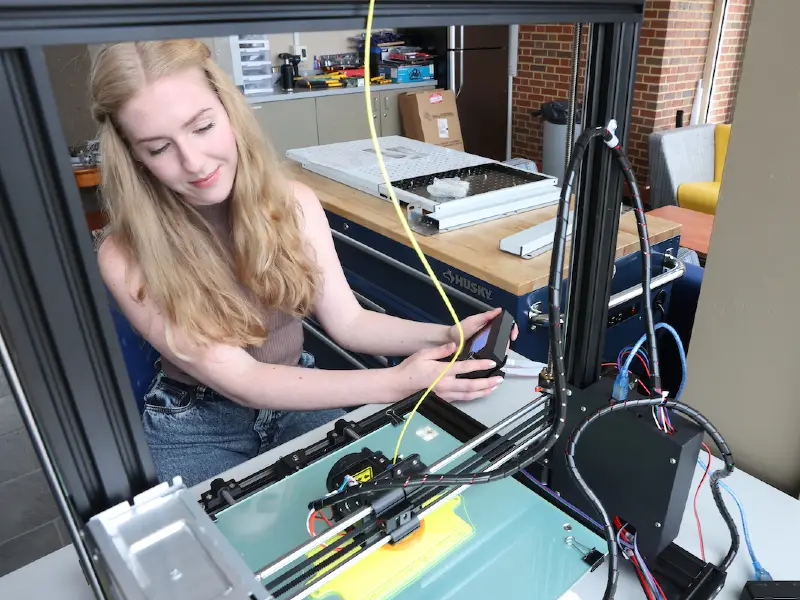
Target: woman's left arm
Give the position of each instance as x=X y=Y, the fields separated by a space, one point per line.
x=351 y=326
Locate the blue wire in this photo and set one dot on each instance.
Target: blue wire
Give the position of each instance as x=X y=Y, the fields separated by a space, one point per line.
x=560 y=499
x=650 y=579
x=343 y=486
x=642 y=353
x=626 y=367
x=620 y=394
x=761 y=573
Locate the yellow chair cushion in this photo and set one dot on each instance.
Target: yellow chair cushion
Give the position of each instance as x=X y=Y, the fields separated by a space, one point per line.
x=701 y=196
x=722 y=133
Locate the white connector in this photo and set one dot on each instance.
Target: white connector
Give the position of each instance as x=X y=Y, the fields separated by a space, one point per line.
x=523 y=367
x=612 y=129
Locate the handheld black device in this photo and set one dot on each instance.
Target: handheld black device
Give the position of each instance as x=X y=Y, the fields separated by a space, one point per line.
x=490 y=343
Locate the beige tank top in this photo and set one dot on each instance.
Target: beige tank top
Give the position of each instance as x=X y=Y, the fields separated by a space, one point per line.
x=284 y=343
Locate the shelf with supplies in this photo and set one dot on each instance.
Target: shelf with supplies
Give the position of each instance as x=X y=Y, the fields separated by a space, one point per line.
x=278 y=96
x=251 y=64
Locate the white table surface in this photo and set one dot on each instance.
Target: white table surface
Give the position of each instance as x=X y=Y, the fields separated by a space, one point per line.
x=773 y=520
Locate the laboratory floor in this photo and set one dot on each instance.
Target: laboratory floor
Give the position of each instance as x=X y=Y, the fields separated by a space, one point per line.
x=30 y=526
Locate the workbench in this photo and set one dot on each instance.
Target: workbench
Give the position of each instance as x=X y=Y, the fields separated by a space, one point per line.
x=386 y=274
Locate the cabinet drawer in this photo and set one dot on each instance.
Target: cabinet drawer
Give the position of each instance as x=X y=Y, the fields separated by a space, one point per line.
x=344 y=118
x=288 y=123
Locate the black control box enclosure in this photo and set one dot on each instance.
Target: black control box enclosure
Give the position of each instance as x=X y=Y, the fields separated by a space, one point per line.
x=639 y=473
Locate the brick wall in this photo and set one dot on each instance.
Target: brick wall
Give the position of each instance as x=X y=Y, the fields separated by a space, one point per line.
x=729 y=63
x=543 y=75
x=672 y=52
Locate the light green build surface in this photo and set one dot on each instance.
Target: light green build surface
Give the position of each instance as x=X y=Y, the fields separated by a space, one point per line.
x=507 y=541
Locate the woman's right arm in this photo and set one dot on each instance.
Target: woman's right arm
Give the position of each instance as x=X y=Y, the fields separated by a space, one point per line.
x=235 y=374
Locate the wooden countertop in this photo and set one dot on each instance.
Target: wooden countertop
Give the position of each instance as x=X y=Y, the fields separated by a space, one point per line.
x=475 y=249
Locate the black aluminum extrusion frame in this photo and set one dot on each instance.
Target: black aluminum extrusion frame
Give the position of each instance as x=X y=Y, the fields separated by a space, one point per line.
x=54 y=313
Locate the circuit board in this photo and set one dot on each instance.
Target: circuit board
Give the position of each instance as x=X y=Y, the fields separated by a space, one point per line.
x=495 y=540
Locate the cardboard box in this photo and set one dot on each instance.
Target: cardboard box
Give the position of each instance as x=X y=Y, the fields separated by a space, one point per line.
x=432 y=117
x=407 y=73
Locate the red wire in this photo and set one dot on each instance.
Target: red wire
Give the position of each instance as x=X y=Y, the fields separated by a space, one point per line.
x=642 y=579
x=696 y=493
x=618 y=524
x=321 y=516
x=639 y=356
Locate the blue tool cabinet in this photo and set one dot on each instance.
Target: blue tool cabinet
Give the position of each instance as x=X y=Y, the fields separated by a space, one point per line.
x=387 y=276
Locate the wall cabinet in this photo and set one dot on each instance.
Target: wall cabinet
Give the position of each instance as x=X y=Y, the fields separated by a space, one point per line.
x=302 y=122
x=289 y=123
x=389 y=110
x=342 y=118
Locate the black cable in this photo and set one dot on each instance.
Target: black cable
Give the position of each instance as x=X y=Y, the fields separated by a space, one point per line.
x=644 y=247
x=557 y=338
x=446 y=480
x=488 y=454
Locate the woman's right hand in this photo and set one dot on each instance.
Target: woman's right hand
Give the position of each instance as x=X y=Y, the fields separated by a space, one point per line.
x=419 y=370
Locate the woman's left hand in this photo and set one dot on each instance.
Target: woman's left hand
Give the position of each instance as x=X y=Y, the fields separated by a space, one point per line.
x=472 y=325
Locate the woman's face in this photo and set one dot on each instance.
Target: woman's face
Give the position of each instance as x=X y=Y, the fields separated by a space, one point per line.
x=178 y=129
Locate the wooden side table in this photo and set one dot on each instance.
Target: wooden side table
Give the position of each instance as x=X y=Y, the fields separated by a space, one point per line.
x=697 y=226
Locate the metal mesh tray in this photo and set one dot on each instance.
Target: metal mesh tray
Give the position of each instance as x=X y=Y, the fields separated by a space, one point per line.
x=485 y=178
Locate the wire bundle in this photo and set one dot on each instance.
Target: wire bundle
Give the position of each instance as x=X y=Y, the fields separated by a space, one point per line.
x=621 y=383
x=611 y=140
x=629 y=548
x=643 y=359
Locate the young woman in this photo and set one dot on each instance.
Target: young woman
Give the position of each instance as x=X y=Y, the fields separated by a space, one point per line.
x=214 y=257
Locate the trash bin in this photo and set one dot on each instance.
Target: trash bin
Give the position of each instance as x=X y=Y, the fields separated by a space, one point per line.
x=554 y=137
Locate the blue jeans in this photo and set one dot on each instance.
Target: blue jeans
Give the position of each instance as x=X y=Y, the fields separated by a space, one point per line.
x=194 y=432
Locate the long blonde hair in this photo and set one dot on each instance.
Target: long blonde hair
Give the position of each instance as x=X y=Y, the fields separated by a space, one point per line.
x=205 y=293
